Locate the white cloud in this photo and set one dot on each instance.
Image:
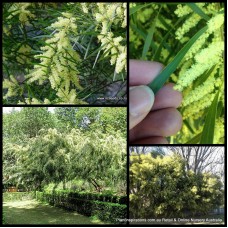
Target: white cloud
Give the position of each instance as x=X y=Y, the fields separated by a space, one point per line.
x=51 y=109
x=9 y=109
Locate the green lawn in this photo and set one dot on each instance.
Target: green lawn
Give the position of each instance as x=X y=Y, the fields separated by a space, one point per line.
x=33 y=212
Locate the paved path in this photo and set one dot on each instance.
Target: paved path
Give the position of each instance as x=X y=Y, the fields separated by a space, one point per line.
x=33 y=212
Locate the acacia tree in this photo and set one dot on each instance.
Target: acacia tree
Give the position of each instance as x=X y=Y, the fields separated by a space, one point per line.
x=43 y=160
x=202 y=159
x=48 y=157
x=19 y=127
x=155 y=184
x=55 y=155
x=98 y=158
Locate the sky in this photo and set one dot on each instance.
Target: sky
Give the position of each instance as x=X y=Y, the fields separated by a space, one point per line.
x=9 y=109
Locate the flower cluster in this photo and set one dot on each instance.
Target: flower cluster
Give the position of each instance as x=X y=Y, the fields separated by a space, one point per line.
x=107 y=15
x=12 y=86
x=58 y=62
x=211 y=55
x=48 y=42
x=201 y=73
x=21 y=9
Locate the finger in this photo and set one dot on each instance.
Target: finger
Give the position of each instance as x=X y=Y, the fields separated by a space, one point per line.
x=143 y=72
x=141 y=99
x=163 y=122
x=167 y=97
x=151 y=140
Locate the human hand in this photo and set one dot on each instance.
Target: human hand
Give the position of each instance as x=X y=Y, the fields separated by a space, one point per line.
x=151 y=118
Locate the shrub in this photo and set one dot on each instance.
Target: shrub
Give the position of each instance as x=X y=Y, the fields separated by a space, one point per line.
x=88 y=204
x=39 y=196
x=109 y=211
x=162 y=187
x=3 y=219
x=17 y=196
x=99 y=197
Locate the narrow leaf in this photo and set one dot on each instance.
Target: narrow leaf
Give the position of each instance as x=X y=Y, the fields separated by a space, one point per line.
x=195 y=139
x=209 y=126
x=148 y=41
x=197 y=10
x=141 y=33
x=158 y=50
x=204 y=77
x=160 y=80
x=137 y=8
x=149 y=37
x=189 y=126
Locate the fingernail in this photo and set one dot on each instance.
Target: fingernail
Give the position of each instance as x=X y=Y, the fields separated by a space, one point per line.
x=141 y=100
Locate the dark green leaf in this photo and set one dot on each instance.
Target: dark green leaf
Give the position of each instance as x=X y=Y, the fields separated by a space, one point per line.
x=188 y=126
x=204 y=77
x=137 y=8
x=149 y=37
x=195 y=139
x=197 y=10
x=209 y=126
x=160 y=80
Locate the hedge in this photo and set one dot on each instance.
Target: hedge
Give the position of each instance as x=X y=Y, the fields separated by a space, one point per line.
x=87 y=204
x=94 y=196
x=17 y=196
x=100 y=197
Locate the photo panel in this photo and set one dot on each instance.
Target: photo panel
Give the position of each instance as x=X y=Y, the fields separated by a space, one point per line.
x=64 y=53
x=64 y=165
x=176 y=72
x=177 y=185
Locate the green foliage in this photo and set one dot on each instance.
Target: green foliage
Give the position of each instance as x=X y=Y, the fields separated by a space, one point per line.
x=109 y=119
x=88 y=204
x=56 y=157
x=26 y=123
x=18 y=196
x=63 y=53
x=113 y=212
x=37 y=156
x=207 y=136
x=155 y=184
x=99 y=196
x=160 y=80
x=3 y=218
x=66 y=117
x=188 y=38
x=40 y=196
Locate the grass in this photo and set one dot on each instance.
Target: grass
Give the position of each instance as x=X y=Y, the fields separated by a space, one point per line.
x=33 y=212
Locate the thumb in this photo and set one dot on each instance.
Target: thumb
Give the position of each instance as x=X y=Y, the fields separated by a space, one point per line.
x=141 y=102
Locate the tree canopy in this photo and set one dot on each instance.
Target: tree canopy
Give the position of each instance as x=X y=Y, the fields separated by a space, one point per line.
x=43 y=152
x=155 y=183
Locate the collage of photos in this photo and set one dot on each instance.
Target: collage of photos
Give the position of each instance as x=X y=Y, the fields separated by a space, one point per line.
x=114 y=114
